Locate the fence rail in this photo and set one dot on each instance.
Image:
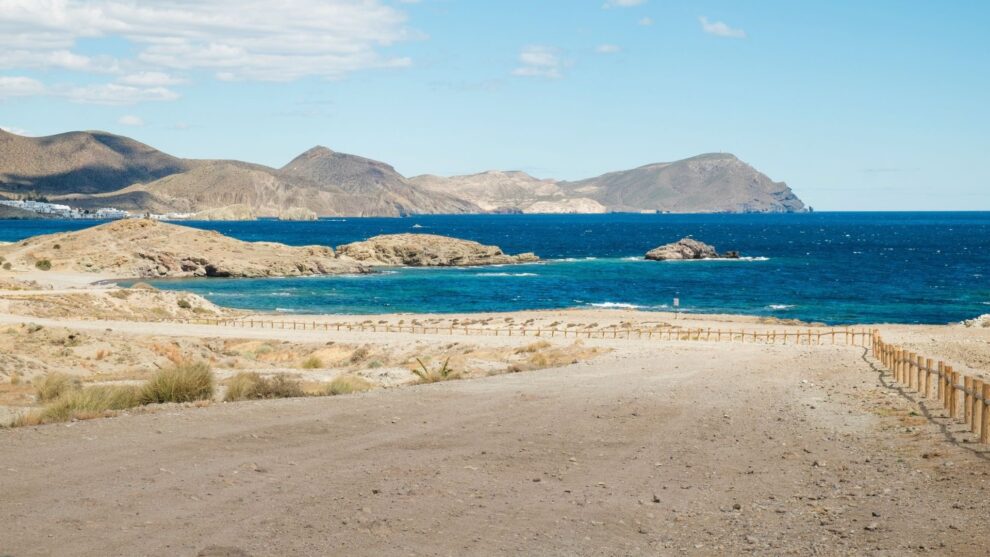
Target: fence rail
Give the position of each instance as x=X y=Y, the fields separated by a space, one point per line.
x=965 y=398
x=853 y=337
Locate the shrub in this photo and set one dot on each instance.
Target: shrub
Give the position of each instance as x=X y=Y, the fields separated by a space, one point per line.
x=7 y=266
x=43 y=264
x=312 y=362
x=57 y=246
x=83 y=404
x=184 y=304
x=444 y=373
x=55 y=385
x=360 y=354
x=347 y=384
x=249 y=386
x=183 y=382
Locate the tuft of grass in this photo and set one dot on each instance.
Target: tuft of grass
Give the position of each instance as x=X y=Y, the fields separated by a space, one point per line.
x=427 y=375
x=183 y=382
x=54 y=385
x=251 y=386
x=43 y=264
x=184 y=304
x=347 y=384
x=84 y=404
x=535 y=347
x=359 y=355
x=312 y=362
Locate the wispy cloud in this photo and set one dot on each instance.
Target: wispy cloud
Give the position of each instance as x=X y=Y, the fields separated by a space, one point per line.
x=130 y=120
x=622 y=3
x=720 y=29
x=235 y=39
x=18 y=86
x=645 y=21
x=608 y=49
x=539 y=61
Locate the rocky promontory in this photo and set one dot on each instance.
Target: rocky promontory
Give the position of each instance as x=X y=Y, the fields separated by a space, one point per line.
x=688 y=248
x=428 y=250
x=143 y=248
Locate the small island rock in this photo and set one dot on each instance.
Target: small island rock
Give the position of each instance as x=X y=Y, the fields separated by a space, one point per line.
x=428 y=250
x=688 y=248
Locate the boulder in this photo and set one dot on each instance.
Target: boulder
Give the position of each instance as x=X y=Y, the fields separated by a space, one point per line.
x=687 y=248
x=428 y=250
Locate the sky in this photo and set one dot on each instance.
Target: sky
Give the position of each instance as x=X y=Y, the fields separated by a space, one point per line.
x=879 y=105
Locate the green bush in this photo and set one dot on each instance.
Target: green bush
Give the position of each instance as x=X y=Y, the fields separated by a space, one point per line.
x=44 y=264
x=184 y=304
x=312 y=362
x=184 y=382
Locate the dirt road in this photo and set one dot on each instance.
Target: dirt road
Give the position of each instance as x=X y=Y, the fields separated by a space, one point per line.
x=665 y=449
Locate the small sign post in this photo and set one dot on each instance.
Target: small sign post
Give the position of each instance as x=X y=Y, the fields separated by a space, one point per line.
x=677 y=306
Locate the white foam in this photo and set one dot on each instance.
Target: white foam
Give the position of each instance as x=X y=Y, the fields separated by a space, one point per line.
x=615 y=305
x=777 y=307
x=505 y=274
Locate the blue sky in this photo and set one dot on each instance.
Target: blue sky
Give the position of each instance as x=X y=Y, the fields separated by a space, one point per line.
x=857 y=105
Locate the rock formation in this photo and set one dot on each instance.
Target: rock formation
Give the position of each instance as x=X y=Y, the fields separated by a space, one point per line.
x=141 y=248
x=687 y=248
x=427 y=250
x=297 y=213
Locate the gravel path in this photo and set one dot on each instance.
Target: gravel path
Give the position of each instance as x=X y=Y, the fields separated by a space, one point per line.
x=668 y=448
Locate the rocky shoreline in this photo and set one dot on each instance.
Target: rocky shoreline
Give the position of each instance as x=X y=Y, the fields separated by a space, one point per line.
x=686 y=249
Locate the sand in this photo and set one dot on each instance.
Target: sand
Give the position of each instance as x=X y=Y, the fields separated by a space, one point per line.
x=644 y=447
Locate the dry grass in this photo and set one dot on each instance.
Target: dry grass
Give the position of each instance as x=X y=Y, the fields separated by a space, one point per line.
x=312 y=362
x=54 y=385
x=84 y=404
x=252 y=386
x=347 y=384
x=535 y=347
x=186 y=382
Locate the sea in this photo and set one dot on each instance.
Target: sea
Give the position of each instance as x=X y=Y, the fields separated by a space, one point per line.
x=833 y=268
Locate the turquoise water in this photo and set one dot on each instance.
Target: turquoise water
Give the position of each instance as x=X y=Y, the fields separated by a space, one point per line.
x=830 y=267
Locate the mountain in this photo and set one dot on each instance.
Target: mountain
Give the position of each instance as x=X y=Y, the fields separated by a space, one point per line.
x=711 y=183
x=383 y=191
x=79 y=162
x=513 y=191
x=89 y=170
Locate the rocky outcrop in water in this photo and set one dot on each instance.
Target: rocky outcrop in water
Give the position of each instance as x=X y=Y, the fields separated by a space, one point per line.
x=428 y=250
x=688 y=248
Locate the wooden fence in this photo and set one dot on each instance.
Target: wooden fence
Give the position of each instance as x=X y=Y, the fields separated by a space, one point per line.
x=852 y=337
x=965 y=398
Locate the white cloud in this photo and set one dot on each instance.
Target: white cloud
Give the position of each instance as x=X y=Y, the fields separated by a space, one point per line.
x=622 y=3
x=539 y=61
x=16 y=86
x=150 y=79
x=115 y=94
x=130 y=120
x=15 y=131
x=645 y=21
x=720 y=29
x=608 y=49
x=250 y=39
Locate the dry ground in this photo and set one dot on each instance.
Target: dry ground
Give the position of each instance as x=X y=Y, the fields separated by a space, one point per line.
x=666 y=448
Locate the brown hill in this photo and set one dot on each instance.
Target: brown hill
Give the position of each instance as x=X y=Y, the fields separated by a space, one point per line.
x=146 y=248
x=79 y=162
x=381 y=189
x=712 y=183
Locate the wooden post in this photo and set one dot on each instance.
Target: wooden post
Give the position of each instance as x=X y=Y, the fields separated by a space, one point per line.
x=909 y=369
x=985 y=427
x=977 y=423
x=953 y=393
x=967 y=400
x=928 y=378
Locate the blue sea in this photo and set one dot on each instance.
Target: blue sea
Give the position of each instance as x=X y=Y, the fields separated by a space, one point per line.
x=836 y=268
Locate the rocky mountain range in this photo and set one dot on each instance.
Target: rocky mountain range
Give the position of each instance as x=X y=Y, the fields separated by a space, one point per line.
x=97 y=169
